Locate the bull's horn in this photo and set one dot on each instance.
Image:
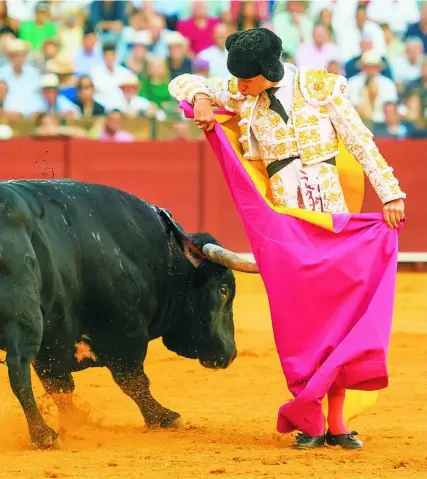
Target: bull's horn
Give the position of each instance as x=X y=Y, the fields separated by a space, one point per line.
x=227 y=258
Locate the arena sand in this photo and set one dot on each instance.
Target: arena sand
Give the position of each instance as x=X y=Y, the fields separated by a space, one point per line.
x=230 y=415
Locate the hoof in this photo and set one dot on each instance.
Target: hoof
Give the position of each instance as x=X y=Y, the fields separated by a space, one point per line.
x=57 y=444
x=178 y=423
x=47 y=440
x=168 y=420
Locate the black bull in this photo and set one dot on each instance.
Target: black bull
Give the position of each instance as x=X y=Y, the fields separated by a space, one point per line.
x=89 y=264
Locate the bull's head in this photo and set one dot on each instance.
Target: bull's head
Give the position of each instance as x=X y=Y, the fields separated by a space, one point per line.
x=206 y=329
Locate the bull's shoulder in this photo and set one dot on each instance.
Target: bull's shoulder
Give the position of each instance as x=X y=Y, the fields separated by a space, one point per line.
x=15 y=208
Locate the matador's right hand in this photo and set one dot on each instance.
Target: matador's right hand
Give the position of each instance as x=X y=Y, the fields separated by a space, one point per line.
x=203 y=113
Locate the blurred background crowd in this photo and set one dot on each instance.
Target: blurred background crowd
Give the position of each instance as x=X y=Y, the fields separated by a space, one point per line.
x=100 y=69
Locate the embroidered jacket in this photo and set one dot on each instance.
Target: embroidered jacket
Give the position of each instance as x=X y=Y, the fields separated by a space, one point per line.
x=321 y=113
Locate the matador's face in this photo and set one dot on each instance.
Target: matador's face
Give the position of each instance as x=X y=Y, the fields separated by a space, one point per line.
x=253 y=86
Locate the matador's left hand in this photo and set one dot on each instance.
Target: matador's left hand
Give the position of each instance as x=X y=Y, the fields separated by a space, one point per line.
x=394 y=212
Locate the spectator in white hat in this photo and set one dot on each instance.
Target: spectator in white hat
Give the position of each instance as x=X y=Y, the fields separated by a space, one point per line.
x=178 y=62
x=352 y=66
x=369 y=90
x=23 y=80
x=136 y=60
x=62 y=66
x=51 y=101
x=133 y=105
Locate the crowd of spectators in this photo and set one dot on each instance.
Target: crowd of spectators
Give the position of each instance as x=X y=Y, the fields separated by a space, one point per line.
x=64 y=61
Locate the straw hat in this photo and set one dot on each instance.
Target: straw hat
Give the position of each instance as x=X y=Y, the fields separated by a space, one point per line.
x=371 y=59
x=17 y=45
x=61 y=65
x=175 y=38
x=6 y=132
x=49 y=80
x=129 y=80
x=141 y=37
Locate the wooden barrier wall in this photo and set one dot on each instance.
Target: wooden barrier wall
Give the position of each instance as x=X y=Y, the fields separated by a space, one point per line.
x=185 y=178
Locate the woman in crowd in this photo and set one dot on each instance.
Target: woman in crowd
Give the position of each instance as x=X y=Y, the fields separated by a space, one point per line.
x=87 y=105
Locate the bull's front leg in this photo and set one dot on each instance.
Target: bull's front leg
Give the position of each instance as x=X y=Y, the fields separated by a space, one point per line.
x=134 y=382
x=23 y=340
x=57 y=383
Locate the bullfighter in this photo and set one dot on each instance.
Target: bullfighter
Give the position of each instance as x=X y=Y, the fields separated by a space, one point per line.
x=292 y=120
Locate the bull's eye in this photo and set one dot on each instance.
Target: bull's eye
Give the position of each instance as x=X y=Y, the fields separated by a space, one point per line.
x=223 y=291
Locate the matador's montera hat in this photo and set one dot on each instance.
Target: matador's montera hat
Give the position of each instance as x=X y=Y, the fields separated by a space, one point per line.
x=255 y=52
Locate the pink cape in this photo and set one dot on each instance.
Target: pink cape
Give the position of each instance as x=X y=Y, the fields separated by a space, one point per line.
x=331 y=293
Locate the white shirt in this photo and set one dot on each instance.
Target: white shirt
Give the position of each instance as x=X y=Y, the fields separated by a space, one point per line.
x=217 y=60
x=387 y=92
x=348 y=39
x=63 y=105
x=21 y=88
x=136 y=105
x=398 y=14
x=285 y=93
x=107 y=83
x=404 y=72
x=21 y=10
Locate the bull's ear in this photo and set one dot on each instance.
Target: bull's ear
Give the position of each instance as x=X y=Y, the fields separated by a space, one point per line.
x=219 y=255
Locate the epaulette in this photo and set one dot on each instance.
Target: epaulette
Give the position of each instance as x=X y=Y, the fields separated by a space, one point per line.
x=318 y=86
x=232 y=85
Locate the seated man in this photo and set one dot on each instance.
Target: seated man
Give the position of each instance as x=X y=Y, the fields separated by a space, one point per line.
x=394 y=127
x=131 y=104
x=51 y=101
x=352 y=66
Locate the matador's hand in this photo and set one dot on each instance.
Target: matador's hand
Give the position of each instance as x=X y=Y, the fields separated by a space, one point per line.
x=204 y=116
x=394 y=212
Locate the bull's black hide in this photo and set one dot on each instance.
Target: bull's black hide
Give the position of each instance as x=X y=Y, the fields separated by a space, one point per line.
x=89 y=263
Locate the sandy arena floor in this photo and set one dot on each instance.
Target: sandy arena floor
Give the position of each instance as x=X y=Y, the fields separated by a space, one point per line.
x=231 y=414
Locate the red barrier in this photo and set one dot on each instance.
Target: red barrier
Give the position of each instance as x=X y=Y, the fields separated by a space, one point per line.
x=185 y=178
x=163 y=173
x=24 y=158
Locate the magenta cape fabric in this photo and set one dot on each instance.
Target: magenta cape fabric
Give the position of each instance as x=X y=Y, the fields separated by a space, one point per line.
x=331 y=294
